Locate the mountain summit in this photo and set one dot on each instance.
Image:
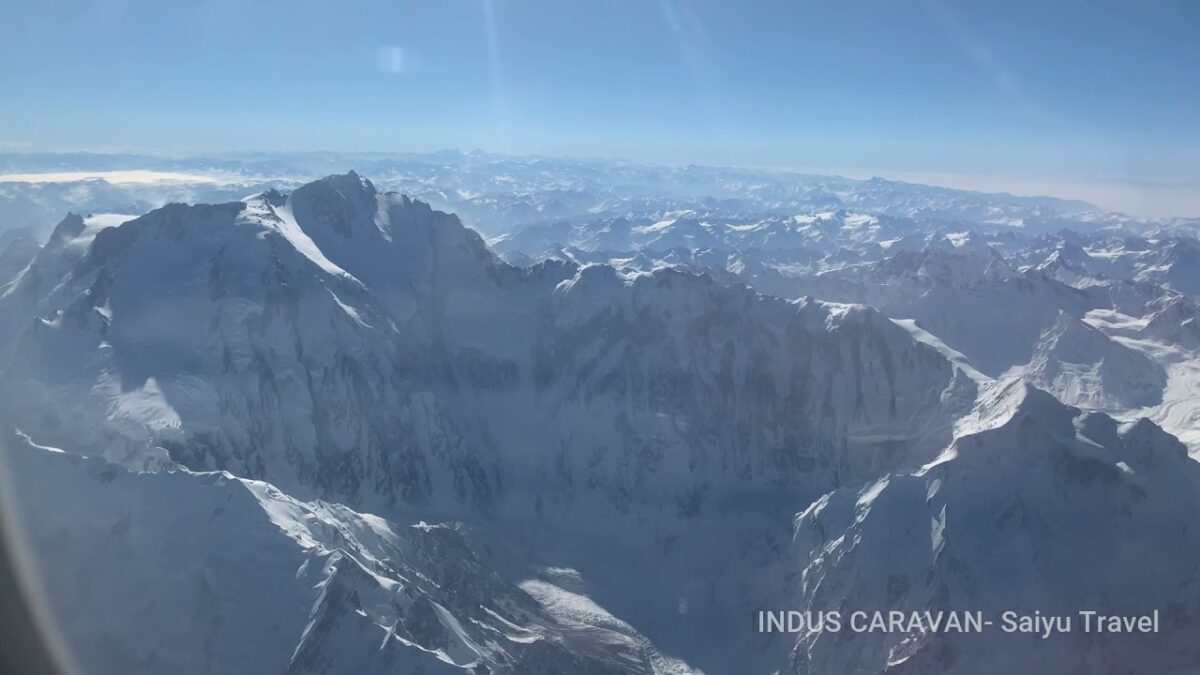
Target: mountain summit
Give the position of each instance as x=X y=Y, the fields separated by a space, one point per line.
x=622 y=462
x=355 y=345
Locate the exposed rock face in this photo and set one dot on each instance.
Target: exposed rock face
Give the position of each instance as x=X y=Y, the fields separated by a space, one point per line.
x=182 y=572
x=358 y=346
x=1035 y=507
x=633 y=457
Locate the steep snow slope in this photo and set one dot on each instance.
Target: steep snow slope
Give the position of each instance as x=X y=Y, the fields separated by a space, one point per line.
x=1035 y=507
x=968 y=298
x=626 y=444
x=46 y=267
x=1085 y=368
x=359 y=346
x=1169 y=334
x=207 y=573
x=1007 y=321
x=993 y=299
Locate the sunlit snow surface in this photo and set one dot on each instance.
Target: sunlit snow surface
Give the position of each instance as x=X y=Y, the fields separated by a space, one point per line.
x=328 y=429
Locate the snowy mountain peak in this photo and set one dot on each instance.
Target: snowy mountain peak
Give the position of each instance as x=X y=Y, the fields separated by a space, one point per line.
x=1010 y=402
x=1032 y=506
x=343 y=203
x=1085 y=367
x=240 y=336
x=630 y=421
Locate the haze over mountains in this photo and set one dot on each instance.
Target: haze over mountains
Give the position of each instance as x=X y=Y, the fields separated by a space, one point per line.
x=322 y=427
x=496 y=194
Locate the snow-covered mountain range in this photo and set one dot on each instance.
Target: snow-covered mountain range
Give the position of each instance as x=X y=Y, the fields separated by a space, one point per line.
x=332 y=429
x=502 y=194
x=1103 y=321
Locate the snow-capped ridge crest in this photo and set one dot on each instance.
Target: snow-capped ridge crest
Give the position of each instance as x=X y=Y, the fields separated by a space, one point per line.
x=1013 y=401
x=1016 y=406
x=341 y=223
x=1084 y=367
x=1037 y=506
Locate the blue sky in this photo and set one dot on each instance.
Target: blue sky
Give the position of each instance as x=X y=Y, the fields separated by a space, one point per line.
x=1054 y=92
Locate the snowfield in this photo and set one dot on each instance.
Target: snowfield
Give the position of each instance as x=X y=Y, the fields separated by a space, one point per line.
x=330 y=429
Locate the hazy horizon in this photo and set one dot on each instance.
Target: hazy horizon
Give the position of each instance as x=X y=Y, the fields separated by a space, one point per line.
x=1141 y=199
x=1092 y=99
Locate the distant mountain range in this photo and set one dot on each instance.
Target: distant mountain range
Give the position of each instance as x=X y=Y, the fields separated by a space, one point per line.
x=326 y=427
x=498 y=194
